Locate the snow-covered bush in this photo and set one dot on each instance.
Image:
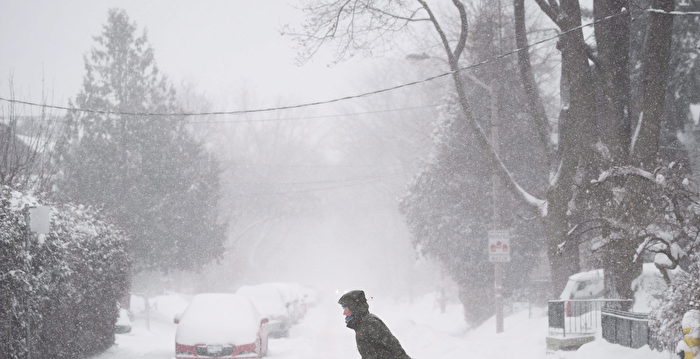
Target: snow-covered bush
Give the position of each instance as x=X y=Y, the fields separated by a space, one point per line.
x=681 y=296
x=60 y=291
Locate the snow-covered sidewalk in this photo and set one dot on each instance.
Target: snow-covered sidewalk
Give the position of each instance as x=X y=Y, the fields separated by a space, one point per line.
x=422 y=329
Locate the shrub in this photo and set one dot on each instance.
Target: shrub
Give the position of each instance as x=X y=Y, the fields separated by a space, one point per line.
x=59 y=292
x=681 y=296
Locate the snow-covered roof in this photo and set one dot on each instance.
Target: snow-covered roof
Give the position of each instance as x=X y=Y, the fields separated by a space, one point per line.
x=217 y=318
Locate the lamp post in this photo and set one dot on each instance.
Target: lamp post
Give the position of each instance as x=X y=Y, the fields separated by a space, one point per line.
x=38 y=220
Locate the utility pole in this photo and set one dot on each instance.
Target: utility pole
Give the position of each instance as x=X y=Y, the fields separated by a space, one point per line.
x=497 y=223
x=27 y=298
x=37 y=220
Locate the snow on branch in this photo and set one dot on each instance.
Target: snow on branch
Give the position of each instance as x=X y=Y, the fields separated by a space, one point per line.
x=624 y=171
x=533 y=201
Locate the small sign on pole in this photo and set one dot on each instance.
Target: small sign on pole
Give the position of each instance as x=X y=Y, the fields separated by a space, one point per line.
x=499 y=246
x=40 y=219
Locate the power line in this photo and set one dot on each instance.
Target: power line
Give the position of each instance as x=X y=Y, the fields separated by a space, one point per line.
x=279 y=119
x=347 y=114
x=681 y=13
x=314 y=103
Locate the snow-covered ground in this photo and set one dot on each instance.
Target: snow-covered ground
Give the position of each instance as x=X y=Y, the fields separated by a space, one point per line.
x=422 y=329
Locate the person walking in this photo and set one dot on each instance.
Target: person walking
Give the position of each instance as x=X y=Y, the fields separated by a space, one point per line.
x=373 y=337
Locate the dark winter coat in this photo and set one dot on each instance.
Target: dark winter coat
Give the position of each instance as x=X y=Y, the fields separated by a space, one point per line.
x=373 y=337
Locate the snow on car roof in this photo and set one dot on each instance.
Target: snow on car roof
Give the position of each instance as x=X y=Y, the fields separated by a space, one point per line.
x=290 y=291
x=217 y=318
x=266 y=298
x=595 y=274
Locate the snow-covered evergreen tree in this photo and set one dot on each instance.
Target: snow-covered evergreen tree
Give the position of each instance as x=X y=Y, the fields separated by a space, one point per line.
x=147 y=172
x=449 y=204
x=682 y=296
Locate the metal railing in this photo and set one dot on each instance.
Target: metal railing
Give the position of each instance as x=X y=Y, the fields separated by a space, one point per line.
x=628 y=329
x=576 y=317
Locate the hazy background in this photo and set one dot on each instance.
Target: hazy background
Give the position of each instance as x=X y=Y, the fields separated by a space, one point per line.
x=311 y=195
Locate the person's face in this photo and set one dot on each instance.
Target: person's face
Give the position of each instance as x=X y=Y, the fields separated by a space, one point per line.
x=346 y=311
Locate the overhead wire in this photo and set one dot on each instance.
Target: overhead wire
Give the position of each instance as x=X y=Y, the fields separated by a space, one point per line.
x=314 y=103
x=337 y=115
x=296 y=118
x=338 y=99
x=681 y=13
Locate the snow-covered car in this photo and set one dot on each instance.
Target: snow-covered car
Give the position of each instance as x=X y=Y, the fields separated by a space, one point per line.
x=269 y=301
x=223 y=326
x=591 y=285
x=292 y=295
x=123 y=324
x=583 y=285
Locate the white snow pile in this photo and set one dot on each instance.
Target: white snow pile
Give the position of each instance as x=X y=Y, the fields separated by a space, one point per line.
x=647 y=289
x=218 y=318
x=601 y=349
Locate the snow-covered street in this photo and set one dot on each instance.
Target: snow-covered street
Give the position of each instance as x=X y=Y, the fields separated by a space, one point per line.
x=422 y=329
x=335 y=179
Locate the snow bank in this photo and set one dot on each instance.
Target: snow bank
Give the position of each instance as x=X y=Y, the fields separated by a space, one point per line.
x=647 y=288
x=602 y=349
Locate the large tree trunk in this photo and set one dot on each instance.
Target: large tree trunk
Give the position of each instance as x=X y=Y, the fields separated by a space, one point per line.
x=613 y=42
x=563 y=254
x=619 y=267
x=620 y=270
x=655 y=58
x=577 y=134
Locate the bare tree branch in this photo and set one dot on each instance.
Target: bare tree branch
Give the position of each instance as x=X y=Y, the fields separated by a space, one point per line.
x=452 y=59
x=410 y=18
x=464 y=28
x=554 y=13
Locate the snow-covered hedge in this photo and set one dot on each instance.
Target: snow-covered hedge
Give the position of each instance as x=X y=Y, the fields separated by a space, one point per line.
x=681 y=296
x=58 y=296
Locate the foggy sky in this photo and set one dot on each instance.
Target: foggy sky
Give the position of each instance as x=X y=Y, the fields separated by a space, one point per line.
x=217 y=46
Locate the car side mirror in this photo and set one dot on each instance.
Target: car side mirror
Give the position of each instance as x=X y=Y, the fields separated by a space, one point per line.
x=176 y=319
